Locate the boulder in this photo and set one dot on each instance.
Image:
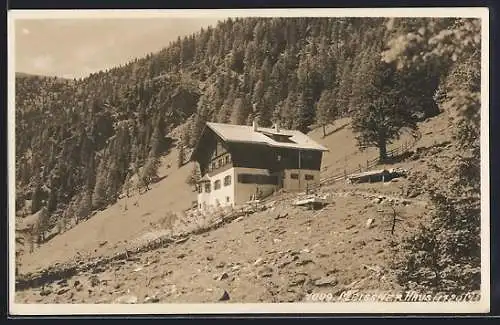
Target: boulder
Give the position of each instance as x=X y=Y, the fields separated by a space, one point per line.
x=127 y=299
x=223 y=276
x=326 y=281
x=151 y=300
x=223 y=294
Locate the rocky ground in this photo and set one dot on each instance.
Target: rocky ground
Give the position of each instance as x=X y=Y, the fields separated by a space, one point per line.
x=277 y=255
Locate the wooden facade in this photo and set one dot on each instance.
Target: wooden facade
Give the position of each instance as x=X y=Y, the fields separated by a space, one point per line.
x=233 y=170
x=214 y=156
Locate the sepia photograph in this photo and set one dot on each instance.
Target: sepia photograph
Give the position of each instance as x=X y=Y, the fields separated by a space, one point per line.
x=249 y=161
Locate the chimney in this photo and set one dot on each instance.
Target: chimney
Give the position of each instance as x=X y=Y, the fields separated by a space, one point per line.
x=255 y=125
x=277 y=127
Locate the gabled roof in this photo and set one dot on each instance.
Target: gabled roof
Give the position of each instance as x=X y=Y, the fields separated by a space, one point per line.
x=204 y=179
x=245 y=134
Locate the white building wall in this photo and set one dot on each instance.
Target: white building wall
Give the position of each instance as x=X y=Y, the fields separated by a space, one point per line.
x=300 y=184
x=238 y=193
x=224 y=196
x=244 y=192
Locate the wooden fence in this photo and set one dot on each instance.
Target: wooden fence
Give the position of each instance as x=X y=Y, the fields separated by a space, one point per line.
x=371 y=163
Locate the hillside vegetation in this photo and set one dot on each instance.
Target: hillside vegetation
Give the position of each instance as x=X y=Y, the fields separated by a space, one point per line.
x=79 y=141
x=81 y=144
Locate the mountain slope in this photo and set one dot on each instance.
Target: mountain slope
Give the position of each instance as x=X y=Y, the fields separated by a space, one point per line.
x=119 y=227
x=79 y=141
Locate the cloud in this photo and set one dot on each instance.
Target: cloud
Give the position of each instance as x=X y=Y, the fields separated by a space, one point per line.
x=25 y=31
x=43 y=63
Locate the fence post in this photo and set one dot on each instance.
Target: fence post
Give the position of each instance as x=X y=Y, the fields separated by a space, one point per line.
x=345 y=174
x=367 y=165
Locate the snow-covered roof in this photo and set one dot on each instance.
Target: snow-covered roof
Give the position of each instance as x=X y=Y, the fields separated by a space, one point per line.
x=246 y=134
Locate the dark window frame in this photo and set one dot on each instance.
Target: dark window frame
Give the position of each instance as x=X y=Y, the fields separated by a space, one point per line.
x=294 y=175
x=217 y=185
x=246 y=178
x=309 y=177
x=227 y=180
x=208 y=187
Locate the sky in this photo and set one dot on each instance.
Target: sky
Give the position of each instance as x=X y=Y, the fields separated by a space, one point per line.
x=74 y=48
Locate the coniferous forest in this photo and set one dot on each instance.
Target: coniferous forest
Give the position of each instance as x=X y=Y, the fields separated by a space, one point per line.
x=78 y=142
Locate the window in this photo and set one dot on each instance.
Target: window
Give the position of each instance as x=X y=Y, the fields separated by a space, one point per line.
x=213 y=166
x=280 y=137
x=200 y=189
x=227 y=199
x=221 y=163
x=309 y=177
x=244 y=178
x=294 y=176
x=257 y=179
x=217 y=184
x=220 y=148
x=228 y=160
x=227 y=180
x=207 y=187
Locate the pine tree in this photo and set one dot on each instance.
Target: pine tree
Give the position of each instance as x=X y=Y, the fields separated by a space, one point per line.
x=37 y=196
x=149 y=172
x=326 y=110
x=287 y=111
x=240 y=111
x=99 y=198
x=150 y=169
x=301 y=116
x=181 y=155
x=127 y=184
x=344 y=88
x=258 y=92
x=226 y=109
x=201 y=117
x=84 y=206
x=114 y=182
x=194 y=176
x=156 y=137
x=267 y=108
x=379 y=121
